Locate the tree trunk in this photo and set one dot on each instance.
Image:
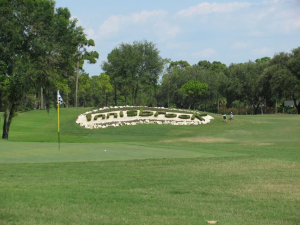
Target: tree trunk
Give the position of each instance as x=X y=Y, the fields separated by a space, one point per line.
x=67 y=100
x=136 y=93
x=35 y=101
x=265 y=108
x=8 y=115
x=42 y=99
x=77 y=77
x=218 y=104
x=255 y=108
x=168 y=93
x=115 y=95
x=297 y=106
x=276 y=106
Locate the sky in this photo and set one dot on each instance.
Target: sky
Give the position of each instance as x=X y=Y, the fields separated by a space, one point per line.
x=192 y=30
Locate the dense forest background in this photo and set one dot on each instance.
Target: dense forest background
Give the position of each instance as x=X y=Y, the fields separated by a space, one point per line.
x=42 y=50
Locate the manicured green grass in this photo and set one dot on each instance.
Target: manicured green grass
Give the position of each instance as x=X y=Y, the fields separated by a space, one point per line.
x=246 y=171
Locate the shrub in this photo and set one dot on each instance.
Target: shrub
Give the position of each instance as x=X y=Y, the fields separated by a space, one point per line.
x=198 y=116
x=115 y=115
x=132 y=113
x=156 y=114
x=146 y=113
x=203 y=114
x=108 y=115
x=171 y=115
x=193 y=116
x=141 y=112
x=89 y=117
x=184 y=117
x=100 y=115
x=121 y=114
x=161 y=112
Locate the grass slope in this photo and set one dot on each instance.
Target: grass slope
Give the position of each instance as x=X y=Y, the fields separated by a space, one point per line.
x=246 y=171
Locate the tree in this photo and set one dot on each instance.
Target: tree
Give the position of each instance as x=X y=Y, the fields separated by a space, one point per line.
x=82 y=55
x=136 y=65
x=104 y=85
x=36 y=45
x=193 y=90
x=21 y=23
x=283 y=76
x=204 y=64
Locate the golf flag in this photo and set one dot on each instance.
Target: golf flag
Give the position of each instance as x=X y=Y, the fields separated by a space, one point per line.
x=59 y=98
x=59 y=101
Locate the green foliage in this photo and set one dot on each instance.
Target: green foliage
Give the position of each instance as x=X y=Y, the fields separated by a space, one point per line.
x=141 y=111
x=199 y=117
x=161 y=112
x=121 y=113
x=115 y=115
x=193 y=90
x=170 y=115
x=132 y=113
x=193 y=116
x=89 y=116
x=142 y=64
x=147 y=113
x=98 y=116
x=184 y=117
x=156 y=114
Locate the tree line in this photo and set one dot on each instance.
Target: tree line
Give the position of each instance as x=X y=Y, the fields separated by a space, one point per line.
x=42 y=50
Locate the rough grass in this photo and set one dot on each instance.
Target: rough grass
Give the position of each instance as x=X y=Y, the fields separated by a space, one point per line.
x=246 y=171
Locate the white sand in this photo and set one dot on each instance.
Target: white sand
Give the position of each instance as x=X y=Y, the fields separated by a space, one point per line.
x=125 y=120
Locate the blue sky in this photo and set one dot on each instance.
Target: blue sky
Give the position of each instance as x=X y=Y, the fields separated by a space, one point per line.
x=226 y=31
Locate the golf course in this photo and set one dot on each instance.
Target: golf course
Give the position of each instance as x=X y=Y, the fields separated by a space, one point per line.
x=245 y=171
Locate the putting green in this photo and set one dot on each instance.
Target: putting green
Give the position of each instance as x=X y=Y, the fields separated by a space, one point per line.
x=28 y=152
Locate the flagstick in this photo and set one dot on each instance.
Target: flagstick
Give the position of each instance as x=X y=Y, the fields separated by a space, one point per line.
x=58 y=125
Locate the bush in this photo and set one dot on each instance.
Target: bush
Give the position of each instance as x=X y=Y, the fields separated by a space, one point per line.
x=146 y=113
x=198 y=116
x=171 y=115
x=184 y=117
x=203 y=114
x=121 y=114
x=161 y=112
x=156 y=114
x=115 y=115
x=193 y=116
x=132 y=113
x=89 y=117
x=100 y=115
x=141 y=112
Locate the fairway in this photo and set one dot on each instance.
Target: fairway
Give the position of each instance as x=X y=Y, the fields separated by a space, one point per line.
x=246 y=171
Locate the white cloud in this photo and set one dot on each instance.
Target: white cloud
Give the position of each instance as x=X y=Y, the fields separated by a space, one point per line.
x=208 y=8
x=165 y=30
x=90 y=33
x=206 y=53
x=115 y=23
